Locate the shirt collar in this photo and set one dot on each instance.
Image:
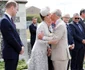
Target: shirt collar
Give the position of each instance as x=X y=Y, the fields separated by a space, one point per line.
x=77 y=23
x=35 y=24
x=8 y=15
x=81 y=18
x=57 y=21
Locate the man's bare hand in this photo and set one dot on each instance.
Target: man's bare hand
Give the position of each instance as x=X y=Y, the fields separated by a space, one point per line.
x=71 y=47
x=22 y=51
x=83 y=41
x=49 y=51
x=52 y=42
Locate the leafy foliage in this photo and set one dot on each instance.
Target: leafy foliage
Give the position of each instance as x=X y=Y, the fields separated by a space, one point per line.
x=30 y=16
x=21 y=65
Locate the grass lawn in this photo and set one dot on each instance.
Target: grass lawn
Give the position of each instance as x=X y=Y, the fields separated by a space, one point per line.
x=28 y=34
x=21 y=65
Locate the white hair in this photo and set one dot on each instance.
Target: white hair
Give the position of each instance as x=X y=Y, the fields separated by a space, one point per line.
x=75 y=14
x=57 y=12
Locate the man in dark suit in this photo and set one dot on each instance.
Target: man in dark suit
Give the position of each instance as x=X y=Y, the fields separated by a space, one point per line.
x=12 y=45
x=79 y=39
x=82 y=17
x=66 y=19
x=32 y=29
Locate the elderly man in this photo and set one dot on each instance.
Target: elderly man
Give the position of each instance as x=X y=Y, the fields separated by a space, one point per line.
x=82 y=17
x=66 y=19
x=60 y=59
x=79 y=39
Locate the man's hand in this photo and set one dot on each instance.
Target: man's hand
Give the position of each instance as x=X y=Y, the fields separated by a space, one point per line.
x=49 y=51
x=83 y=41
x=71 y=47
x=40 y=35
x=22 y=51
x=52 y=42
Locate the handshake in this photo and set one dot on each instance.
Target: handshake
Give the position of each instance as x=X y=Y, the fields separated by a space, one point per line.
x=22 y=50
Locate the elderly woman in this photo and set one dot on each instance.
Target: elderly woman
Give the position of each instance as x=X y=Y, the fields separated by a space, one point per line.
x=39 y=60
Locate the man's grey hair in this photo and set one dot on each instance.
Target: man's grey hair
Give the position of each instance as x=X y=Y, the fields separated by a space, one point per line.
x=75 y=14
x=57 y=12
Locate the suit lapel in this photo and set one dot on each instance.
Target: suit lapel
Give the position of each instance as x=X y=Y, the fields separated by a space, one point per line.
x=82 y=23
x=76 y=26
x=10 y=21
x=57 y=23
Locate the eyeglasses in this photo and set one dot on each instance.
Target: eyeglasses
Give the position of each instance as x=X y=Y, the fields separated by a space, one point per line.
x=77 y=18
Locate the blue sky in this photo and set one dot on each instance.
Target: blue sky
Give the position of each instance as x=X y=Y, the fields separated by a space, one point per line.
x=66 y=6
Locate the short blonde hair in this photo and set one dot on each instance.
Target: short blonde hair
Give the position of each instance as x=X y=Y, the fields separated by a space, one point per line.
x=10 y=3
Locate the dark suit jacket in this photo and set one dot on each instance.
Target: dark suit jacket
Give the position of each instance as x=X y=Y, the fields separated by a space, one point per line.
x=32 y=30
x=78 y=35
x=82 y=23
x=70 y=35
x=11 y=40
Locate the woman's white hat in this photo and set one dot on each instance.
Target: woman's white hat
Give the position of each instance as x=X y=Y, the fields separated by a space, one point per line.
x=45 y=11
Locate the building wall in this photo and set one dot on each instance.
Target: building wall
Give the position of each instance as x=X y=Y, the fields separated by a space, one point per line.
x=32 y=10
x=21 y=17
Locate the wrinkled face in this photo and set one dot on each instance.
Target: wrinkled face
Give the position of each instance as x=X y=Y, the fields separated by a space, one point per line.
x=34 y=21
x=76 y=19
x=66 y=19
x=14 y=10
x=52 y=17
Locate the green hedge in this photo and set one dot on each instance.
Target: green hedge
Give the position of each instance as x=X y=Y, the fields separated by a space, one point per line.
x=30 y=16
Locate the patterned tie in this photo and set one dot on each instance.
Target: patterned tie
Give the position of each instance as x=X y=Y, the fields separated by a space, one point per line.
x=80 y=27
x=13 y=22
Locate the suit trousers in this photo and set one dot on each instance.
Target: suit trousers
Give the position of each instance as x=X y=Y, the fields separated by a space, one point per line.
x=50 y=64
x=77 y=59
x=60 y=65
x=11 y=64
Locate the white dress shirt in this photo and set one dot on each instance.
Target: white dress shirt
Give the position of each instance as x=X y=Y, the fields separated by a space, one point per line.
x=8 y=15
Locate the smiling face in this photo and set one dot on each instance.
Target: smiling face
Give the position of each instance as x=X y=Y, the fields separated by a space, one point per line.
x=76 y=19
x=66 y=18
